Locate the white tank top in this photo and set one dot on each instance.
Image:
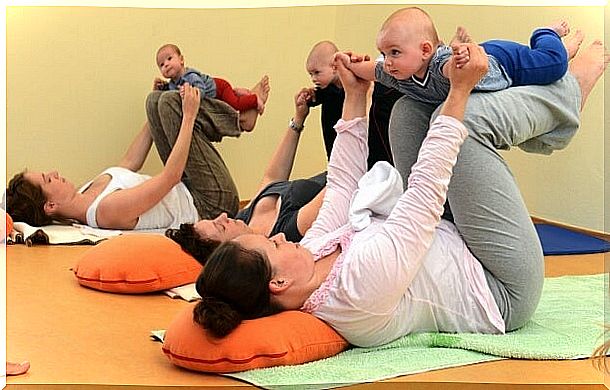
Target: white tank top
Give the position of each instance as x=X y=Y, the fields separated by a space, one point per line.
x=175 y=208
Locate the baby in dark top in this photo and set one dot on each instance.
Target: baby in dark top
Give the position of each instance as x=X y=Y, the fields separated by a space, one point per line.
x=329 y=94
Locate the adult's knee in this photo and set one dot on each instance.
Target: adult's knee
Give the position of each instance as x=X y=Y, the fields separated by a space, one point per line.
x=169 y=103
x=152 y=100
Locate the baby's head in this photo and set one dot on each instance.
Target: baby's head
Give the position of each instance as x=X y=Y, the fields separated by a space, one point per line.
x=170 y=61
x=319 y=64
x=407 y=40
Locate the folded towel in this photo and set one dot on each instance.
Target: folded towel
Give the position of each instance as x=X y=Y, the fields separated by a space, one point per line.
x=58 y=234
x=568 y=324
x=377 y=193
x=188 y=292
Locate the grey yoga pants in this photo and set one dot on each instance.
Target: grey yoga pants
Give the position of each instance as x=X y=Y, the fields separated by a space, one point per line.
x=483 y=196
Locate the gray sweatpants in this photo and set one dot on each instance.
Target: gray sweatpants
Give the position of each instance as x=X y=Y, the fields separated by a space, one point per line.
x=205 y=175
x=483 y=196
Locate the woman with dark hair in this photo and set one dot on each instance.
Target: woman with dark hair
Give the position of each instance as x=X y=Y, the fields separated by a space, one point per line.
x=194 y=183
x=281 y=205
x=410 y=272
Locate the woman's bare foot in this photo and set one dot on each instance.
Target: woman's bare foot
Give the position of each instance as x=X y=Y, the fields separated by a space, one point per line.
x=573 y=43
x=588 y=66
x=261 y=89
x=461 y=36
x=561 y=27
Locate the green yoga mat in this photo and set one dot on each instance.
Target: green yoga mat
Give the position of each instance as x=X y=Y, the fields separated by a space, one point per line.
x=568 y=324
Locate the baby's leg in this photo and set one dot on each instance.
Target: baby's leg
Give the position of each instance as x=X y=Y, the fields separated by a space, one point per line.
x=562 y=28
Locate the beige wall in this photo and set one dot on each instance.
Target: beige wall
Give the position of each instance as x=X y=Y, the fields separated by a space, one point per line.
x=77 y=78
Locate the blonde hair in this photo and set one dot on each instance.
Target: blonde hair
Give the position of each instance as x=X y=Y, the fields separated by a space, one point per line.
x=171 y=46
x=323 y=50
x=415 y=21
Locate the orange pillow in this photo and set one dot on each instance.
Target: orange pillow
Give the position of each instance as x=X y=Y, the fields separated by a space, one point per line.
x=8 y=225
x=136 y=263
x=287 y=338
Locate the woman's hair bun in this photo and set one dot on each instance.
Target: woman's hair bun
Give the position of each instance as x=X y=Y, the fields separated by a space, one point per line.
x=216 y=316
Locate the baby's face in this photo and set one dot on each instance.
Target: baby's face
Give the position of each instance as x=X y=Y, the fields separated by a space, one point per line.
x=402 y=57
x=170 y=63
x=320 y=72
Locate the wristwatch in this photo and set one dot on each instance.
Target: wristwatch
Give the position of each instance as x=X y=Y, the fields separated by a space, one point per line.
x=293 y=125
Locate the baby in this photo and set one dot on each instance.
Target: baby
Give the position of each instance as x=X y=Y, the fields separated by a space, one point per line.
x=171 y=64
x=328 y=92
x=413 y=57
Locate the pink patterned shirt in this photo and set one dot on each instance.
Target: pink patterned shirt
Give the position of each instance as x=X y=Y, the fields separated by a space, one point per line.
x=408 y=273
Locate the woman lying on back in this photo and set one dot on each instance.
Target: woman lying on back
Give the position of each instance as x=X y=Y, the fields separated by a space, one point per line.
x=408 y=272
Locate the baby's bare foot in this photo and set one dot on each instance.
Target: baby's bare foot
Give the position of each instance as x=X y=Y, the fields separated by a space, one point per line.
x=588 y=66
x=262 y=88
x=573 y=43
x=461 y=36
x=260 y=105
x=561 y=27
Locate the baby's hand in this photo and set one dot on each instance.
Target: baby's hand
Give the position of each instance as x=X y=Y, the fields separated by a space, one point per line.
x=159 y=84
x=304 y=96
x=355 y=57
x=461 y=55
x=343 y=57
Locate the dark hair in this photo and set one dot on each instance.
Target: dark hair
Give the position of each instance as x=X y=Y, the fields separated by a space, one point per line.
x=192 y=243
x=234 y=286
x=25 y=202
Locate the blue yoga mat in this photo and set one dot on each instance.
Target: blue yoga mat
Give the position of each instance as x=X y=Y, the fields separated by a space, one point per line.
x=560 y=241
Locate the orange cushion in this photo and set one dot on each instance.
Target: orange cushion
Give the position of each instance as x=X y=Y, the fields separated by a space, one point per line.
x=291 y=337
x=8 y=225
x=136 y=263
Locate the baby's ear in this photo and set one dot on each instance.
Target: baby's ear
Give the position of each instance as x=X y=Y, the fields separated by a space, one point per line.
x=427 y=49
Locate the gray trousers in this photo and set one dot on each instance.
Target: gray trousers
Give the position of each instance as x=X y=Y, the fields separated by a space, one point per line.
x=205 y=175
x=485 y=201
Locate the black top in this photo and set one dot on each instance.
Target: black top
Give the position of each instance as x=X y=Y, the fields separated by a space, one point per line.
x=331 y=98
x=294 y=194
x=379 y=120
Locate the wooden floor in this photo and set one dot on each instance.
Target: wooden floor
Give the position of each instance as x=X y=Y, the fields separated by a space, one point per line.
x=77 y=338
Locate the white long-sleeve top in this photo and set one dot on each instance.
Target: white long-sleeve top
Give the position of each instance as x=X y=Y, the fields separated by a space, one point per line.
x=408 y=273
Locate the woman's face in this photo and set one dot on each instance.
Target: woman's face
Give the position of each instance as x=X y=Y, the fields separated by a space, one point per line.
x=287 y=258
x=54 y=187
x=222 y=228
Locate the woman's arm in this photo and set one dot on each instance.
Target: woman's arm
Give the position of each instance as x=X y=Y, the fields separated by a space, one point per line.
x=122 y=208
x=410 y=228
x=348 y=159
x=138 y=150
x=281 y=163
